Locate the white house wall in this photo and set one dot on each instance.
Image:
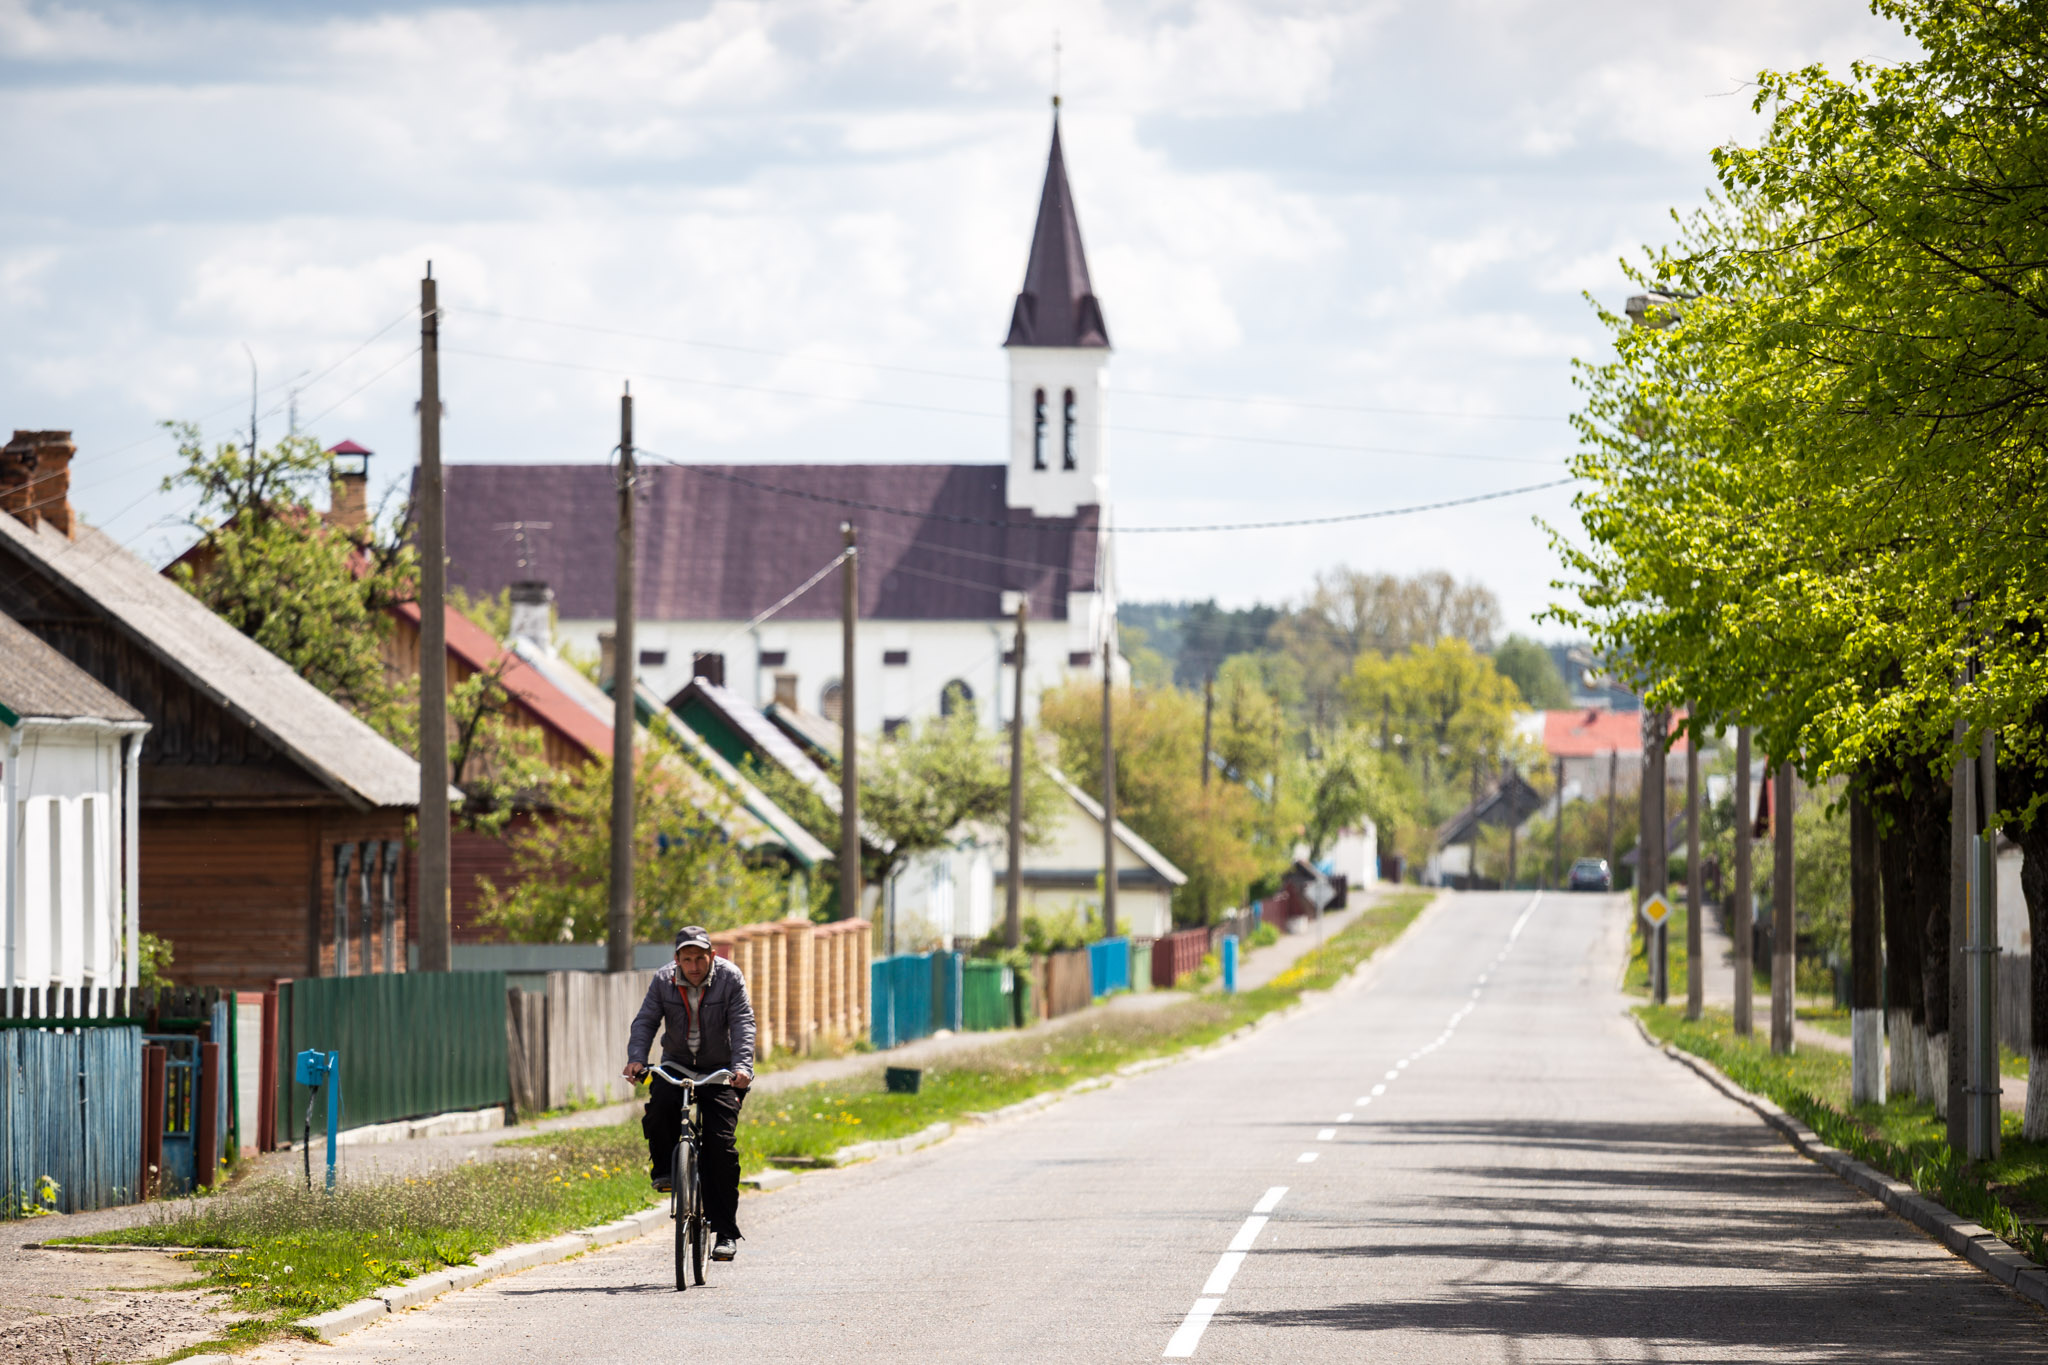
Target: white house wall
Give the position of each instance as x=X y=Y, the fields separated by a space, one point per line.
x=940 y=653
x=64 y=859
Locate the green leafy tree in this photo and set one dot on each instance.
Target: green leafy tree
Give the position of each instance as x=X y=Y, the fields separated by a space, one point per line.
x=1530 y=668
x=687 y=868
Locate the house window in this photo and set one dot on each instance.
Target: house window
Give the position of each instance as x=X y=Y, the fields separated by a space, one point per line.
x=957 y=699
x=709 y=667
x=894 y=727
x=1080 y=658
x=653 y=658
x=1067 y=434
x=828 y=702
x=774 y=658
x=1038 y=430
x=895 y=658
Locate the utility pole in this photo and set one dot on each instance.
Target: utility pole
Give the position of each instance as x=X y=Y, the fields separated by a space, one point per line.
x=1013 y=890
x=1613 y=781
x=1507 y=779
x=433 y=874
x=1866 y=958
x=1782 y=924
x=618 y=953
x=849 y=732
x=253 y=390
x=1740 y=915
x=1983 y=960
x=1962 y=822
x=1208 y=749
x=1695 y=970
x=1108 y=796
x=1557 y=832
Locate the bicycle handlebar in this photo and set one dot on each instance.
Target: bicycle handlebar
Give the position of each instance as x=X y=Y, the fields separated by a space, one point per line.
x=719 y=1077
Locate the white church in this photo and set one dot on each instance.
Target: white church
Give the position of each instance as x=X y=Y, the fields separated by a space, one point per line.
x=945 y=550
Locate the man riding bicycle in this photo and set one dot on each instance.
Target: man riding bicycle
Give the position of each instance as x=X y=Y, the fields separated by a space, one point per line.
x=700 y=1002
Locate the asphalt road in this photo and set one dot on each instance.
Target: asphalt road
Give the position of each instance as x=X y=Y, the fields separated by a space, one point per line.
x=1467 y=1154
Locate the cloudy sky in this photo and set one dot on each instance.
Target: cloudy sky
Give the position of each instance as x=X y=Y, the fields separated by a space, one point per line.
x=1342 y=248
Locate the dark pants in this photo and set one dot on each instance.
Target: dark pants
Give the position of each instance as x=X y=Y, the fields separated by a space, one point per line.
x=663 y=1124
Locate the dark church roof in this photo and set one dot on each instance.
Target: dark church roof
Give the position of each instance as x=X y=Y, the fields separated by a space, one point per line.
x=719 y=543
x=1058 y=306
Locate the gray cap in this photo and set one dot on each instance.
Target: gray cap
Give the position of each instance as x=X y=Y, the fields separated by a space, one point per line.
x=692 y=936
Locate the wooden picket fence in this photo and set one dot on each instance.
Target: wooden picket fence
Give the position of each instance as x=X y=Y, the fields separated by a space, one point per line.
x=809 y=984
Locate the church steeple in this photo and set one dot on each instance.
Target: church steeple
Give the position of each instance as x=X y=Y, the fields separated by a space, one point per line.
x=1057 y=306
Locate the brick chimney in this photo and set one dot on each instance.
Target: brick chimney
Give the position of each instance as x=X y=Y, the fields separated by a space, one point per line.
x=349 y=507
x=35 y=479
x=607 y=657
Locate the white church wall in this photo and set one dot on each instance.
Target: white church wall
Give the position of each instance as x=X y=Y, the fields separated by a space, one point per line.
x=940 y=652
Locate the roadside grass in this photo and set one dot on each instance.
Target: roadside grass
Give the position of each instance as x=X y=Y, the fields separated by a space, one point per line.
x=1902 y=1137
x=299 y=1252
x=808 y=1124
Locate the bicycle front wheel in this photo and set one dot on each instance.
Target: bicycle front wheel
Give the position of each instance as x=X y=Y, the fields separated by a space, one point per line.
x=679 y=1212
x=697 y=1229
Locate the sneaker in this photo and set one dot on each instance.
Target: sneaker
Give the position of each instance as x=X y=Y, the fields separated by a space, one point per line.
x=662 y=1184
x=724 y=1249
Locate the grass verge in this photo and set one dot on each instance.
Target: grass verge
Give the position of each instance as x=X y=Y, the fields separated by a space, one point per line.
x=1902 y=1137
x=811 y=1122
x=300 y=1252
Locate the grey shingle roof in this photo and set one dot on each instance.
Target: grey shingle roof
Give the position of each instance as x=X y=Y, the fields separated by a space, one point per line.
x=36 y=682
x=235 y=672
x=713 y=549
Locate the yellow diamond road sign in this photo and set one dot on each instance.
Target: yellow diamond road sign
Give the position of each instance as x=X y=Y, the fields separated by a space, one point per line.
x=1656 y=910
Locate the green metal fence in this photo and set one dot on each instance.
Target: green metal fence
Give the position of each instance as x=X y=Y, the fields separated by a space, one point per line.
x=988 y=996
x=1141 y=966
x=411 y=1044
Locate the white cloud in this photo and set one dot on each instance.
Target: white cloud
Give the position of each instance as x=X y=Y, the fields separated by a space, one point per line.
x=1386 y=205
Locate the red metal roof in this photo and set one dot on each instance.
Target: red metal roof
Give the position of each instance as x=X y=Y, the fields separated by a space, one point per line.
x=549 y=704
x=349 y=448
x=1588 y=732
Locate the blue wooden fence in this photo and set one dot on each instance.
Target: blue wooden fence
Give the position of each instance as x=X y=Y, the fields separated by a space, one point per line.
x=70 y=1117
x=914 y=995
x=1109 y=966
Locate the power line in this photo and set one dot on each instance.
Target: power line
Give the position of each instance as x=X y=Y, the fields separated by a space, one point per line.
x=916 y=514
x=774 y=391
x=1247 y=399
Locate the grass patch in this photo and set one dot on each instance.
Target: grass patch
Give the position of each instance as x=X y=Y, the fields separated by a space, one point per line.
x=301 y=1252
x=1901 y=1137
x=812 y=1122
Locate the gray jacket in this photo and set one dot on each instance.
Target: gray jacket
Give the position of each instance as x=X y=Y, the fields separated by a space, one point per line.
x=725 y=1032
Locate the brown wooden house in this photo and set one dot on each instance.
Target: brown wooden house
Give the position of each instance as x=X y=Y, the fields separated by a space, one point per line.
x=265 y=805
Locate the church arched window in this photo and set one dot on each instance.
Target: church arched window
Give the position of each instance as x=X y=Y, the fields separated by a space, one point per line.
x=1038 y=430
x=1067 y=434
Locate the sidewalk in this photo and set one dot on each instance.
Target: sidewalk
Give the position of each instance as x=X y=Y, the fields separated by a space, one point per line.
x=426 y=1154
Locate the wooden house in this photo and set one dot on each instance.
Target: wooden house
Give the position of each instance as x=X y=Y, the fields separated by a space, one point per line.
x=264 y=806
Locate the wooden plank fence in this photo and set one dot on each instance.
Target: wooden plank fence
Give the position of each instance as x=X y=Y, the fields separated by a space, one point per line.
x=70 y=1118
x=2016 y=1001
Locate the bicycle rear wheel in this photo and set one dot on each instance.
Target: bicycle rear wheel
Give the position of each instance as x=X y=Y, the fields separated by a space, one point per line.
x=697 y=1231
x=679 y=1212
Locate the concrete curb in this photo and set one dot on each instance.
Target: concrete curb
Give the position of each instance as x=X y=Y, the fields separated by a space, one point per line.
x=425 y=1288
x=1971 y=1241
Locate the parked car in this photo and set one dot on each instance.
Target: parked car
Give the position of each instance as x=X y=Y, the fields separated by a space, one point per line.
x=1590 y=874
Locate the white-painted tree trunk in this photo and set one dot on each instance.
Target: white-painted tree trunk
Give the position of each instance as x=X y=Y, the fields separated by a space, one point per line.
x=1866 y=1057
x=1899 y=1034
x=1936 y=1092
x=2034 y=1127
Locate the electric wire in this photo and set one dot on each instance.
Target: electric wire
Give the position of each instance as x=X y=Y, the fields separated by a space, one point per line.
x=926 y=514
x=778 y=392
x=772 y=354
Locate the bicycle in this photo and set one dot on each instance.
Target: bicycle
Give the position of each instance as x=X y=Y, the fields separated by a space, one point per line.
x=686 y=1189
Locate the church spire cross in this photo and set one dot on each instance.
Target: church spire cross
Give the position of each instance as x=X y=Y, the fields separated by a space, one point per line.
x=1057 y=306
